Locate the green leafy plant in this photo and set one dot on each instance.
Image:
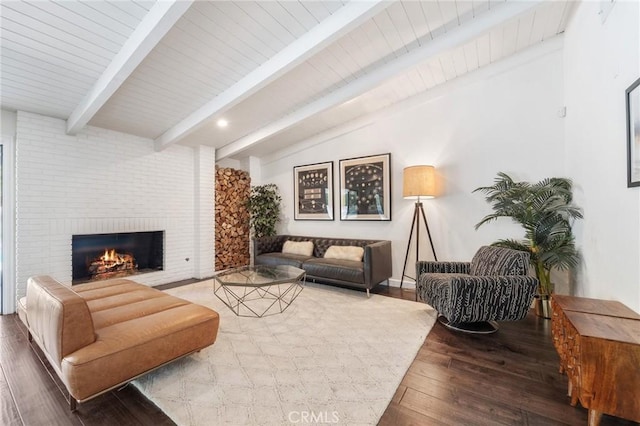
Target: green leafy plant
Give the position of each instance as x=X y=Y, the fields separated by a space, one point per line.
x=546 y=211
x=264 y=209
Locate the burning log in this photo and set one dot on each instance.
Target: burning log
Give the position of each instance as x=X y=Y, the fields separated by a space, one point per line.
x=111 y=264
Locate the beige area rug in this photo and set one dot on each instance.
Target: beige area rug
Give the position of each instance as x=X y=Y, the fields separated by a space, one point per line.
x=334 y=356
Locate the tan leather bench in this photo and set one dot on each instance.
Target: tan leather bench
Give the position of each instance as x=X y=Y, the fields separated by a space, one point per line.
x=100 y=335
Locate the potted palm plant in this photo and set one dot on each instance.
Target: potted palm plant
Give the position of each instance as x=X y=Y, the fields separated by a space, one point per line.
x=546 y=212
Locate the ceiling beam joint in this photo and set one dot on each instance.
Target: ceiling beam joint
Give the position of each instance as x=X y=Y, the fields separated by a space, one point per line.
x=313 y=41
x=451 y=39
x=153 y=27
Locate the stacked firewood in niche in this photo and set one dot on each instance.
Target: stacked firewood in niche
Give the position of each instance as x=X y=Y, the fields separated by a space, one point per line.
x=233 y=188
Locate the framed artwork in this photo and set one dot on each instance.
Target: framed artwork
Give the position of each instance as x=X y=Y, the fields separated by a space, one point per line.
x=365 y=188
x=632 y=95
x=313 y=191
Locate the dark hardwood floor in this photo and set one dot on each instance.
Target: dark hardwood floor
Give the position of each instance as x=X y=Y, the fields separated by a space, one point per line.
x=510 y=377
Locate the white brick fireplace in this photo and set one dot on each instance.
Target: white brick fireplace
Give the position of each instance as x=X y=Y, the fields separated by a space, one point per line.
x=101 y=181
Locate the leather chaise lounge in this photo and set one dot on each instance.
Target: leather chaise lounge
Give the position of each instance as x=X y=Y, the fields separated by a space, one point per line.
x=373 y=267
x=100 y=335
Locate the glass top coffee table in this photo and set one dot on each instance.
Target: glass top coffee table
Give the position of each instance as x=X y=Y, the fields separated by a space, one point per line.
x=257 y=291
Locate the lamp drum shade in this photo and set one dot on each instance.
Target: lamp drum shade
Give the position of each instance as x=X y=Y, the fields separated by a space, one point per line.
x=419 y=181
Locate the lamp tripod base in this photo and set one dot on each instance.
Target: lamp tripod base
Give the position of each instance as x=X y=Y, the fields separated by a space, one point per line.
x=418 y=213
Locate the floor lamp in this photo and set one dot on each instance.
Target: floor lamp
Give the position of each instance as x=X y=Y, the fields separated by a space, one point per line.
x=418 y=182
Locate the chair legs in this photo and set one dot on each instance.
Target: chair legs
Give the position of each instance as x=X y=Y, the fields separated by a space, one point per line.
x=482 y=327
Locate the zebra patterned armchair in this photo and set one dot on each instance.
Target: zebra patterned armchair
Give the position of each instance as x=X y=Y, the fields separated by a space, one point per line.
x=472 y=296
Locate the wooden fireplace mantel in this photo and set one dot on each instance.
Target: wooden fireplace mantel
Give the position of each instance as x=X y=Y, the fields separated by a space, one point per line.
x=598 y=342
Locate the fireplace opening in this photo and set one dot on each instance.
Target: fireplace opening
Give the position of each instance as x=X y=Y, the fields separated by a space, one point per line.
x=103 y=256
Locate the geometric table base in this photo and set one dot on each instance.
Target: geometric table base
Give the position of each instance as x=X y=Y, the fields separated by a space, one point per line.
x=250 y=301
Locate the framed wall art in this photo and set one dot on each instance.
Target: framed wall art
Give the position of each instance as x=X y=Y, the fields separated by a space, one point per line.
x=365 y=188
x=632 y=95
x=313 y=191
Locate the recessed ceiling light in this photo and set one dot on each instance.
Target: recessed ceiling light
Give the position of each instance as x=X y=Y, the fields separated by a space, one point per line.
x=222 y=123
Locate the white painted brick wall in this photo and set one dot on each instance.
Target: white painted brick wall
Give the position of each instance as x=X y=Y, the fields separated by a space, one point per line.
x=102 y=181
x=204 y=223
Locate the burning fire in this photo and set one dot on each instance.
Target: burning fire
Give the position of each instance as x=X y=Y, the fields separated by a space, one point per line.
x=111 y=264
x=112 y=256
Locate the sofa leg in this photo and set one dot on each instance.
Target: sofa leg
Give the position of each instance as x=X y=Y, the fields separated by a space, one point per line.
x=73 y=404
x=368 y=295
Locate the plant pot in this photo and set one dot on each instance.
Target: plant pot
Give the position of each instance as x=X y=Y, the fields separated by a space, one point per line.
x=542 y=305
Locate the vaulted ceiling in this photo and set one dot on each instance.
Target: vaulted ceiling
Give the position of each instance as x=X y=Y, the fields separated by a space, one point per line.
x=277 y=72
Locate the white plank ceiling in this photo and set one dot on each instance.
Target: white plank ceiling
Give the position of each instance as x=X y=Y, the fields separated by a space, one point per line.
x=279 y=72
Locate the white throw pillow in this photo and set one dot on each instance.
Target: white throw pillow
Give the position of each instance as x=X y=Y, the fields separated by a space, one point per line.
x=304 y=248
x=344 y=253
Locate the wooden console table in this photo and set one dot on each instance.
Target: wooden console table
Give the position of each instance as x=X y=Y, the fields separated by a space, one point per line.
x=598 y=342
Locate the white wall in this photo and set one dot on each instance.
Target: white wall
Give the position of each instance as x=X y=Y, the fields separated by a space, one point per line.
x=601 y=61
x=8 y=131
x=102 y=181
x=503 y=118
x=8 y=124
x=203 y=215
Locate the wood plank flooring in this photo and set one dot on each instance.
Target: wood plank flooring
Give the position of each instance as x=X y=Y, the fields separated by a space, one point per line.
x=34 y=395
x=510 y=377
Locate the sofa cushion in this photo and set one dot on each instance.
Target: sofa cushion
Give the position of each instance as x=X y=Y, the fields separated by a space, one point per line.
x=303 y=248
x=21 y=310
x=131 y=311
x=499 y=261
x=58 y=318
x=335 y=269
x=275 y=259
x=92 y=291
x=345 y=253
x=129 y=348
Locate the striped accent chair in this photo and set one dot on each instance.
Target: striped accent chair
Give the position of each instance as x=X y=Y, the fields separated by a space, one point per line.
x=472 y=296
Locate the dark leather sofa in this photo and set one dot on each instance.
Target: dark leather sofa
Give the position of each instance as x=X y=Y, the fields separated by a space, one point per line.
x=374 y=268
